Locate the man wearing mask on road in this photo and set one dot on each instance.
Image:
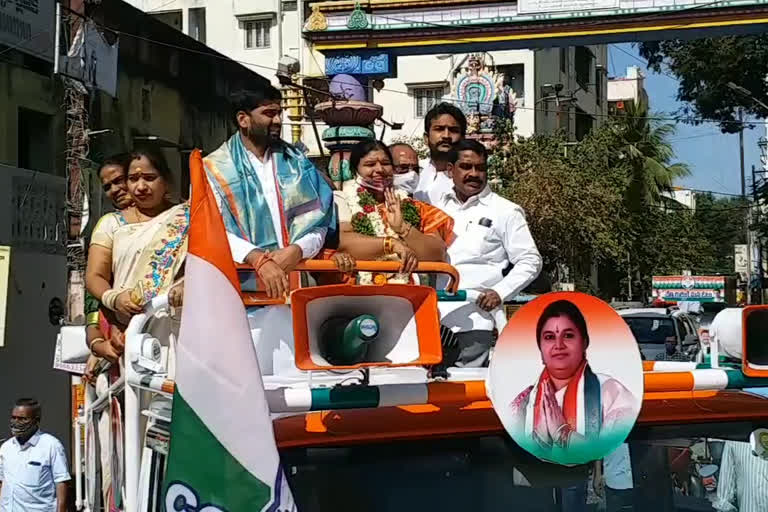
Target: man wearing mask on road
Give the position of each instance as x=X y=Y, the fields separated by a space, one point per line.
x=33 y=465
x=490 y=235
x=406 y=166
x=444 y=126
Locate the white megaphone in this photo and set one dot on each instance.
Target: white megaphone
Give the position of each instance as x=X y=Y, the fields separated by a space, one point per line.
x=742 y=334
x=725 y=334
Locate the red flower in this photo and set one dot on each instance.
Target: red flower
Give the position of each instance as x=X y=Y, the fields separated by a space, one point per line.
x=360 y=215
x=368 y=208
x=360 y=190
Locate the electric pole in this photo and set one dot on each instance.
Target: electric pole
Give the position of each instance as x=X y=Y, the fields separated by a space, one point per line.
x=748 y=288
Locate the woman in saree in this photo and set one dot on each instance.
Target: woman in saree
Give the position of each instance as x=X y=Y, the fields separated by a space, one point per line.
x=138 y=252
x=570 y=403
x=378 y=222
x=135 y=255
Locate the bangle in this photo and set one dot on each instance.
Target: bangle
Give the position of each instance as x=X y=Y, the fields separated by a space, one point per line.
x=109 y=298
x=93 y=342
x=265 y=257
x=92 y=318
x=388 y=245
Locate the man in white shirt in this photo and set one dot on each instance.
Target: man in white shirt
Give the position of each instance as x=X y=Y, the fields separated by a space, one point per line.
x=444 y=126
x=491 y=235
x=405 y=161
x=743 y=485
x=33 y=465
x=276 y=207
x=617 y=481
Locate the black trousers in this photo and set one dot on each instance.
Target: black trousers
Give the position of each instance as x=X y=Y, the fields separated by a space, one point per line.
x=470 y=349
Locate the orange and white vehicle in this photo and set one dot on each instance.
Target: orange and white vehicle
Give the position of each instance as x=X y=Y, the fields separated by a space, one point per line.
x=381 y=435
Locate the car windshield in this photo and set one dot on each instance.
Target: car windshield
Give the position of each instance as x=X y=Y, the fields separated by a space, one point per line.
x=651 y=329
x=492 y=474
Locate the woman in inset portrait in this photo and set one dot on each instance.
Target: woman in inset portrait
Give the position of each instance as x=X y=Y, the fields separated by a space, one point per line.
x=570 y=403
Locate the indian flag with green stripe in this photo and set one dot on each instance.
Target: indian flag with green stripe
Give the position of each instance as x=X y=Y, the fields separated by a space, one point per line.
x=223 y=455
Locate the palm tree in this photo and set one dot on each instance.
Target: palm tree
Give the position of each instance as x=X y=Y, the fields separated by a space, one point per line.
x=644 y=142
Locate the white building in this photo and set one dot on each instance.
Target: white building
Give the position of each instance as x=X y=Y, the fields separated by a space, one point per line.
x=254 y=32
x=626 y=90
x=556 y=88
x=423 y=80
x=683 y=196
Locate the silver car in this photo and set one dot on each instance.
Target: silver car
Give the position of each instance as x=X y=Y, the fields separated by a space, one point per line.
x=653 y=327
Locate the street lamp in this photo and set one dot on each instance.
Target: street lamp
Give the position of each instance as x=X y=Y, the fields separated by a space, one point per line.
x=746 y=92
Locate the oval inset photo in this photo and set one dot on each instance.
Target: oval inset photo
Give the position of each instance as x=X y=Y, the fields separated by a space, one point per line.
x=566 y=378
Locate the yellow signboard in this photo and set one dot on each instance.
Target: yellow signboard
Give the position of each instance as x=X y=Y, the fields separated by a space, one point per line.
x=5 y=270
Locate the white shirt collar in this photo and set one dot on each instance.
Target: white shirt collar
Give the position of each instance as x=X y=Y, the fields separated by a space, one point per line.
x=32 y=441
x=483 y=197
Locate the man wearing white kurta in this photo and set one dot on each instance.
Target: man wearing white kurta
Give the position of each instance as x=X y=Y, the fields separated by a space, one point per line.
x=277 y=210
x=444 y=126
x=491 y=235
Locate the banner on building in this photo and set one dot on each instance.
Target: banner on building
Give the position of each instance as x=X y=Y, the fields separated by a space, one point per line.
x=740 y=264
x=29 y=26
x=92 y=58
x=694 y=288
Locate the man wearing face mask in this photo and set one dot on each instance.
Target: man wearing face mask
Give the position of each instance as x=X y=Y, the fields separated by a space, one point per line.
x=33 y=465
x=491 y=234
x=444 y=126
x=405 y=162
x=276 y=206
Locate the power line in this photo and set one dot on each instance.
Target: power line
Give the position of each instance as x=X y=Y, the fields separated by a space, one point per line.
x=698 y=191
x=159 y=7
x=25 y=41
x=645 y=63
x=700 y=136
x=681 y=120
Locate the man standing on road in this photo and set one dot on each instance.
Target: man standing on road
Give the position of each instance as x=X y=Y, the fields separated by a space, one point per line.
x=33 y=465
x=743 y=485
x=444 y=126
x=491 y=235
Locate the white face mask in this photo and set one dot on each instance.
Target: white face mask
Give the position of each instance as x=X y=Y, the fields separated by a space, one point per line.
x=407 y=182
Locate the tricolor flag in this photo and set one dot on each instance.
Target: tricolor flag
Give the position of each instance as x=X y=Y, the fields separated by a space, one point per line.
x=223 y=455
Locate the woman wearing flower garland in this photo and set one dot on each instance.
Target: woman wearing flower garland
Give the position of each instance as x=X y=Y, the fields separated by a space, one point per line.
x=378 y=222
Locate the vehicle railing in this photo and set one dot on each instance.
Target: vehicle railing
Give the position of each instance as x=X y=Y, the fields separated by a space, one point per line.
x=450 y=293
x=659 y=377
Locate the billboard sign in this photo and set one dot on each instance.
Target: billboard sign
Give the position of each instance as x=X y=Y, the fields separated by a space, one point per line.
x=740 y=264
x=92 y=58
x=533 y=6
x=29 y=26
x=692 y=288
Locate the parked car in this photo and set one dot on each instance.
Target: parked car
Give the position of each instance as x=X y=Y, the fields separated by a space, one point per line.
x=652 y=327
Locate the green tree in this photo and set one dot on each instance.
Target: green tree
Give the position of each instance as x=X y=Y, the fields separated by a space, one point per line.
x=722 y=222
x=671 y=240
x=573 y=197
x=704 y=67
x=643 y=144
